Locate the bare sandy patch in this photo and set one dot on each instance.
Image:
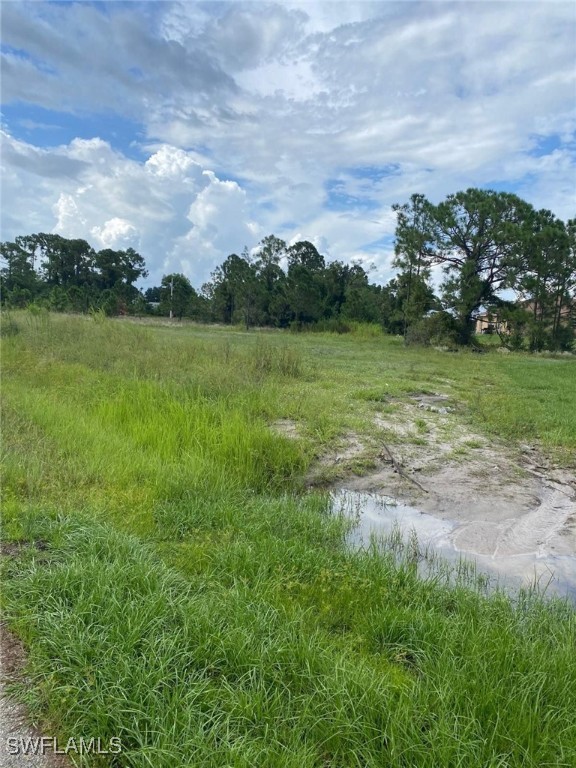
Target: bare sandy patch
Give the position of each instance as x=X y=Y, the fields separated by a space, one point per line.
x=351 y=448
x=286 y=428
x=505 y=501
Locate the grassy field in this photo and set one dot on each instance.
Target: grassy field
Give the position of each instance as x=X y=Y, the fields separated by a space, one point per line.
x=177 y=588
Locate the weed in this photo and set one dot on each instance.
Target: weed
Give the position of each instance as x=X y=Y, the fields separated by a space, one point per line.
x=422 y=426
x=190 y=599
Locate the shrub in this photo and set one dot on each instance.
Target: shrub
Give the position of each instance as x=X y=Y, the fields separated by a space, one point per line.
x=439 y=328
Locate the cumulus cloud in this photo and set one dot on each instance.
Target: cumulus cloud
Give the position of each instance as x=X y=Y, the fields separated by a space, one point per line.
x=220 y=225
x=178 y=215
x=70 y=221
x=290 y=118
x=449 y=94
x=118 y=234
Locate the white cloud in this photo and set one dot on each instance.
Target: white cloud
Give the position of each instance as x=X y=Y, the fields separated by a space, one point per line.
x=293 y=80
x=220 y=226
x=385 y=99
x=176 y=214
x=173 y=163
x=118 y=234
x=69 y=220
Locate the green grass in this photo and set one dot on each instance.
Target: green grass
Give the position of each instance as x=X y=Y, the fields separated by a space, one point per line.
x=177 y=589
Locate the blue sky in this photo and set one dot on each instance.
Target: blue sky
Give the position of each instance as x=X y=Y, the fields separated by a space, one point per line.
x=189 y=130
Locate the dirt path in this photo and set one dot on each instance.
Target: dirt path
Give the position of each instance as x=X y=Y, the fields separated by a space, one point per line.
x=17 y=734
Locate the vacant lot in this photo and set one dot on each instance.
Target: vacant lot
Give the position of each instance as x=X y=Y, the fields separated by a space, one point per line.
x=172 y=566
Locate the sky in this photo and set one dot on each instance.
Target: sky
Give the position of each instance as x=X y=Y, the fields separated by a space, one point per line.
x=189 y=130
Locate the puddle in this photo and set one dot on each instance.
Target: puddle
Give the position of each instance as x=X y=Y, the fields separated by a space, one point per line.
x=432 y=540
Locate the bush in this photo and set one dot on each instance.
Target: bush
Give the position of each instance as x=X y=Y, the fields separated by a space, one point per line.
x=439 y=328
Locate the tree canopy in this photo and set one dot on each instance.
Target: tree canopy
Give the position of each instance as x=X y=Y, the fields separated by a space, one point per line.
x=485 y=244
x=69 y=274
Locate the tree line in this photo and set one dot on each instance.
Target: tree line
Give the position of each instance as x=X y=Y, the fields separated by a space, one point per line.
x=484 y=242
x=69 y=275
x=279 y=285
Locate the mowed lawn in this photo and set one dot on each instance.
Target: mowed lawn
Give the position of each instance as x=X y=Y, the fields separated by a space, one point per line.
x=178 y=588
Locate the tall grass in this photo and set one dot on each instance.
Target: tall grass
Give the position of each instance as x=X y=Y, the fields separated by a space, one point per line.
x=123 y=432
x=287 y=654
x=177 y=590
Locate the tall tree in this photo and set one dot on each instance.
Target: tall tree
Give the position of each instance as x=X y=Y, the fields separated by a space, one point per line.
x=119 y=270
x=272 y=280
x=362 y=300
x=177 y=296
x=413 y=257
x=64 y=262
x=20 y=283
x=234 y=290
x=405 y=301
x=476 y=236
x=305 y=285
x=336 y=277
x=545 y=278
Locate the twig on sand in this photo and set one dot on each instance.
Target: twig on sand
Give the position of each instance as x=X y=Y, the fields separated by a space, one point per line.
x=398 y=467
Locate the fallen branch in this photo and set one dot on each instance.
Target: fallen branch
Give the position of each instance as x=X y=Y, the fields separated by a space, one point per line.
x=399 y=468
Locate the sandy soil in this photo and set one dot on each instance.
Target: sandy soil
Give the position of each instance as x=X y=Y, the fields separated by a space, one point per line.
x=14 y=719
x=509 y=505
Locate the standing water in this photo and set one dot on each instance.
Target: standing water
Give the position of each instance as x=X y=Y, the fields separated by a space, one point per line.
x=382 y=521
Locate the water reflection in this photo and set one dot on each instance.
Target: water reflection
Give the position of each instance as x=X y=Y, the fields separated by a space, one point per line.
x=428 y=541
